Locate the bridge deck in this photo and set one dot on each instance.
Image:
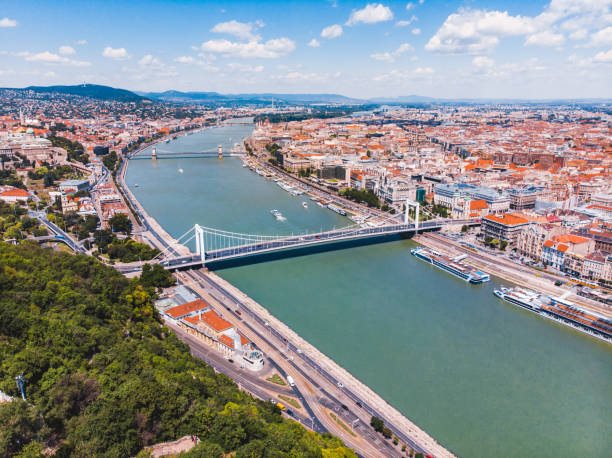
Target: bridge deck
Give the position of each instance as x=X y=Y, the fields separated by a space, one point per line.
x=299 y=241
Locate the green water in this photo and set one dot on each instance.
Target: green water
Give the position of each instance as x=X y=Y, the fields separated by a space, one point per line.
x=482 y=376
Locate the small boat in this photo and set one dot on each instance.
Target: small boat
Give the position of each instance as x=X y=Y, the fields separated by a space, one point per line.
x=278 y=215
x=180 y=170
x=304 y=204
x=136 y=185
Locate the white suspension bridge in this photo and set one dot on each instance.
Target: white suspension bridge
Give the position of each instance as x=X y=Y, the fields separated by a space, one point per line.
x=214 y=245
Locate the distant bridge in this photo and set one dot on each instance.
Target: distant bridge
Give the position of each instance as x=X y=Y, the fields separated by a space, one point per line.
x=215 y=245
x=185 y=155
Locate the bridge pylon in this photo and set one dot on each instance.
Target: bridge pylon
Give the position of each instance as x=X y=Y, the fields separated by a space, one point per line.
x=200 y=245
x=417 y=208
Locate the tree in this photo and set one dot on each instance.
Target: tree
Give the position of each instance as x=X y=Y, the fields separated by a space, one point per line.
x=102 y=239
x=91 y=223
x=377 y=424
x=48 y=180
x=503 y=244
x=110 y=160
x=121 y=223
x=105 y=377
x=156 y=276
x=465 y=228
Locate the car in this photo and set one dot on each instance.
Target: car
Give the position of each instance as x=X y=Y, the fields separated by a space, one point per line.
x=237 y=312
x=558 y=283
x=230 y=360
x=344 y=406
x=290 y=412
x=359 y=405
x=340 y=385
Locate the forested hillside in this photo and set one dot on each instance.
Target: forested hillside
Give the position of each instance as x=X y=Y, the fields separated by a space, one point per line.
x=103 y=377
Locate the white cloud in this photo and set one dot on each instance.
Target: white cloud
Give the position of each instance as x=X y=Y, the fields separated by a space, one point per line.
x=184 y=60
x=46 y=56
x=371 y=14
x=80 y=42
x=603 y=56
x=476 y=31
x=150 y=61
x=384 y=57
x=416 y=31
x=482 y=62
x=396 y=75
x=332 y=31
x=6 y=22
x=406 y=22
x=296 y=76
x=52 y=58
x=390 y=56
x=235 y=66
x=545 y=38
x=409 y=6
x=115 y=53
x=314 y=43
x=602 y=38
x=580 y=34
x=243 y=30
x=66 y=50
x=270 y=49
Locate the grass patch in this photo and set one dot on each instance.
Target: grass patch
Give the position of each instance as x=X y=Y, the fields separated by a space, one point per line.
x=343 y=425
x=276 y=379
x=290 y=401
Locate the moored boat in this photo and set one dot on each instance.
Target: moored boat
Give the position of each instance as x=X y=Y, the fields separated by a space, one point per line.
x=452 y=266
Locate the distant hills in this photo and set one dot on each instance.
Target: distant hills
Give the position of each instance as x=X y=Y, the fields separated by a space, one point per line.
x=258 y=99
x=101 y=92
x=95 y=91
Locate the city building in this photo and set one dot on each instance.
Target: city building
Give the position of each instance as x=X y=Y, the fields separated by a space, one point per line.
x=504 y=227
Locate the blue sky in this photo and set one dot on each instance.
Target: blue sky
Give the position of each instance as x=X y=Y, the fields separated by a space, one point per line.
x=523 y=49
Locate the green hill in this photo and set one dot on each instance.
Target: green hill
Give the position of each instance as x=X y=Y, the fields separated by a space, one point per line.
x=105 y=378
x=94 y=91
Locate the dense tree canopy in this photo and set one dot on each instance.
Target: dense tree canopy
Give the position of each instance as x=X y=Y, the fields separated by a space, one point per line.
x=103 y=377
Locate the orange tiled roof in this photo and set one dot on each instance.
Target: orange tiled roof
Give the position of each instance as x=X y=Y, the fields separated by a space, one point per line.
x=212 y=319
x=186 y=309
x=478 y=204
x=15 y=193
x=570 y=238
x=227 y=341
x=507 y=219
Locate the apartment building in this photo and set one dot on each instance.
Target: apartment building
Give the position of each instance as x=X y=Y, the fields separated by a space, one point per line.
x=505 y=227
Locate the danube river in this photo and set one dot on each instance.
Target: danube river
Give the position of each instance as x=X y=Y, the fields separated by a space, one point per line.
x=482 y=376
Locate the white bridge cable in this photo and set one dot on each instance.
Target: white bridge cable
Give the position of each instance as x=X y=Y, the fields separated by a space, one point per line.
x=176 y=242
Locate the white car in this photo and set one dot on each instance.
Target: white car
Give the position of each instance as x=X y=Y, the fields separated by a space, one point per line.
x=340 y=385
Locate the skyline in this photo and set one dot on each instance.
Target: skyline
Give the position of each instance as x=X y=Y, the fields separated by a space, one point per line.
x=535 y=50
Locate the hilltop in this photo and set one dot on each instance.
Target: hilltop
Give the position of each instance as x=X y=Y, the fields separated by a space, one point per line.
x=95 y=91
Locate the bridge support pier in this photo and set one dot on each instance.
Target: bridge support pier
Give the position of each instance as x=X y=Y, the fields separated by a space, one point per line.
x=200 y=245
x=417 y=207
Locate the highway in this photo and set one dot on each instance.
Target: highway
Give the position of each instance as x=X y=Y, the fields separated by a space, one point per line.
x=290 y=361
x=232 y=302
x=59 y=234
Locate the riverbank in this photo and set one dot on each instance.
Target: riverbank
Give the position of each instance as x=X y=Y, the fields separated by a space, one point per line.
x=508 y=271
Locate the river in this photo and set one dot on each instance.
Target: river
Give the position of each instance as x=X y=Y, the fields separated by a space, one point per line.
x=482 y=376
